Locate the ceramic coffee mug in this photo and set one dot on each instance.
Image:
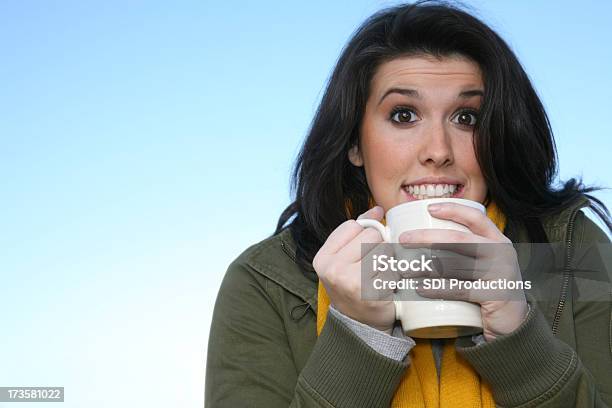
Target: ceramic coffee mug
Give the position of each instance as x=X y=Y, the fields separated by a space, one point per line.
x=428 y=318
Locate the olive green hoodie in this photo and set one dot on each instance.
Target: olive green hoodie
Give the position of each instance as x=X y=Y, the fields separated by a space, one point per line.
x=263 y=350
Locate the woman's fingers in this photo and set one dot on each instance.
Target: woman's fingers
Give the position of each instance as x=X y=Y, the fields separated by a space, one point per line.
x=343 y=235
x=354 y=250
x=443 y=239
x=346 y=231
x=338 y=268
x=473 y=219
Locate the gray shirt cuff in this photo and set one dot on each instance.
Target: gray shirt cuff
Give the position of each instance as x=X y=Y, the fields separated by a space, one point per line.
x=395 y=346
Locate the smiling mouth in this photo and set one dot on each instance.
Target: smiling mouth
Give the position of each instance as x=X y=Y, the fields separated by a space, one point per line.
x=424 y=191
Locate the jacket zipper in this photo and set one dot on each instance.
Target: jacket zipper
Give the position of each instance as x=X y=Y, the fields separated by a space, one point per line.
x=566 y=273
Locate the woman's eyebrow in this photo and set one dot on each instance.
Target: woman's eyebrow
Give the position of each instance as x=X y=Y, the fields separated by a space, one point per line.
x=415 y=94
x=402 y=91
x=470 y=93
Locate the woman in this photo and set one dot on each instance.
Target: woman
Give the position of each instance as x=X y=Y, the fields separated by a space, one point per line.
x=424 y=100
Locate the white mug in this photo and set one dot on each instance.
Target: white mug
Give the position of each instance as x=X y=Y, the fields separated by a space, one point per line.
x=428 y=318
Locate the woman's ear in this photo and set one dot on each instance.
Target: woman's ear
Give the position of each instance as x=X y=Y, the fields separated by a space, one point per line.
x=354 y=156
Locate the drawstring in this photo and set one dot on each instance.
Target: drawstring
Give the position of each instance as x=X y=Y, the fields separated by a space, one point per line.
x=305 y=306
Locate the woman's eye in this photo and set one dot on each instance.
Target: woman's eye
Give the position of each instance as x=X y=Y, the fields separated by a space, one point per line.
x=466 y=118
x=403 y=116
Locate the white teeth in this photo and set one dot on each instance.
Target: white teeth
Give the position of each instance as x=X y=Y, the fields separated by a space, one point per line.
x=424 y=191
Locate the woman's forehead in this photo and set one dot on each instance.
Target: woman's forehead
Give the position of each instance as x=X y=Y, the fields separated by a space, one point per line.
x=427 y=74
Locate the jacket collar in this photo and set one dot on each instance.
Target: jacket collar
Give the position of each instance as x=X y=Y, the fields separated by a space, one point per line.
x=555 y=225
x=275 y=258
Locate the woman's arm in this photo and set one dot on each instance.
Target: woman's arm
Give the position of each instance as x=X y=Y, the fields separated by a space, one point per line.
x=530 y=367
x=593 y=308
x=250 y=362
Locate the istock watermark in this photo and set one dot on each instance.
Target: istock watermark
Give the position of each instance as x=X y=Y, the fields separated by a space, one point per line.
x=438 y=283
x=383 y=263
x=486 y=271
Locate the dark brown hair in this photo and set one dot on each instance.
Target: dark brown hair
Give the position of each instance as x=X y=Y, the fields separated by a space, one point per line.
x=513 y=140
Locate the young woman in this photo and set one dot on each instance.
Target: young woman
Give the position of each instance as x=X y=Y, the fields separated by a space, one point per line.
x=425 y=101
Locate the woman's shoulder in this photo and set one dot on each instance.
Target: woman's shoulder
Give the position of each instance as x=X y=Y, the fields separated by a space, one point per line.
x=587 y=230
x=273 y=259
x=572 y=223
x=274 y=252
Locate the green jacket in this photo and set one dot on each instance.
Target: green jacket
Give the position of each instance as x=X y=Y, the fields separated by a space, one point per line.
x=263 y=350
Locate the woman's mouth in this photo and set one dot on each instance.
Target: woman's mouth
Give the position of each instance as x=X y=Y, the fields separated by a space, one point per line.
x=424 y=191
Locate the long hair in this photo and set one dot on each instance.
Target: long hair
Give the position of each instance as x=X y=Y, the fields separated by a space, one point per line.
x=513 y=140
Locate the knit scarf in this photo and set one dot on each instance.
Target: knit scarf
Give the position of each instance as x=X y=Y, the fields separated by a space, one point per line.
x=459 y=385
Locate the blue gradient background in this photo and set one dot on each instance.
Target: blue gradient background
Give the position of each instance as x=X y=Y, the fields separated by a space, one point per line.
x=146 y=144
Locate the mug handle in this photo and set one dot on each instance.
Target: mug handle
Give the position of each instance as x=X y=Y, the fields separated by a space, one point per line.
x=384 y=231
x=386 y=234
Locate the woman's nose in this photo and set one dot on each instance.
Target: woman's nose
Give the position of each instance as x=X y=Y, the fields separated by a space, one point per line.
x=436 y=148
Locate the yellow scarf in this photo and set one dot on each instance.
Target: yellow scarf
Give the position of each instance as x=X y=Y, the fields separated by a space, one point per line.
x=459 y=385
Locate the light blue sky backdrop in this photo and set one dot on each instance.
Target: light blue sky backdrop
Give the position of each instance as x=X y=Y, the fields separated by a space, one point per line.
x=145 y=144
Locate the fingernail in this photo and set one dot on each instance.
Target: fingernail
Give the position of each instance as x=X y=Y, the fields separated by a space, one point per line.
x=434 y=207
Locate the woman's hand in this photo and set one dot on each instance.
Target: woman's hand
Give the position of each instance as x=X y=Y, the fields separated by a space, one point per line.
x=502 y=311
x=338 y=264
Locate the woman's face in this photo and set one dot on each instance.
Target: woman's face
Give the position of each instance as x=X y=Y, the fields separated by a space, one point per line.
x=417 y=131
